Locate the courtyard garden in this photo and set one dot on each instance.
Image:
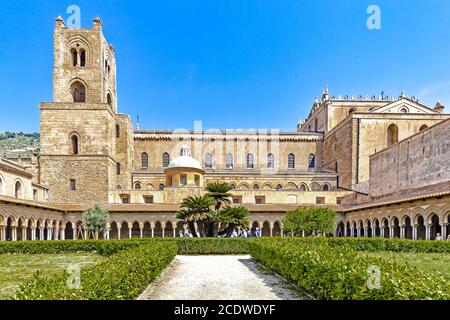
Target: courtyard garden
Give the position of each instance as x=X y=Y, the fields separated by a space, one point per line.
x=322 y=268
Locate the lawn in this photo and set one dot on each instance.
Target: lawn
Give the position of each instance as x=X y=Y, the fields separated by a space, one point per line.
x=18 y=268
x=438 y=263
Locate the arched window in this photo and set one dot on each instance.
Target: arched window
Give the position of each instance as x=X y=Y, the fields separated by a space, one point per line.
x=423 y=127
x=312 y=161
x=137 y=186
x=279 y=187
x=291 y=161
x=392 y=135
x=78 y=92
x=232 y=186
x=117 y=131
x=74 y=57
x=161 y=187
x=255 y=187
x=109 y=99
x=18 y=192
x=144 y=160
x=82 y=58
x=165 y=159
x=404 y=110
x=75 y=144
x=326 y=187
x=303 y=187
x=352 y=110
x=118 y=167
x=270 y=161
x=208 y=161
x=229 y=161
x=250 y=164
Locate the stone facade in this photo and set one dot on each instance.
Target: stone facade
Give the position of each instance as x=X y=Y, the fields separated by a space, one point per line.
x=381 y=163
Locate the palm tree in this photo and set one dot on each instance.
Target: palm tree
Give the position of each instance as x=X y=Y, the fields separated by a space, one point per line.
x=195 y=209
x=220 y=192
x=233 y=217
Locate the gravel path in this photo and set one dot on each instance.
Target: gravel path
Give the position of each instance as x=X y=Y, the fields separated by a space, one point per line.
x=216 y=278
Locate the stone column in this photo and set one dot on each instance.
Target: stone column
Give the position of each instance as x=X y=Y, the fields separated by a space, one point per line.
x=13 y=233
x=358 y=232
x=41 y=233
x=141 y=231
x=24 y=234
x=391 y=232
x=49 y=233
x=174 y=232
x=414 y=232
x=2 y=233
x=382 y=232
x=118 y=232
x=33 y=234
x=402 y=232
x=444 y=230
x=374 y=232
x=56 y=234
x=62 y=234
x=153 y=231
x=271 y=229
x=428 y=232
x=85 y=234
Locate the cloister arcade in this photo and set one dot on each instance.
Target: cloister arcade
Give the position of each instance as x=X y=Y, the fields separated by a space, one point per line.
x=31 y=229
x=415 y=224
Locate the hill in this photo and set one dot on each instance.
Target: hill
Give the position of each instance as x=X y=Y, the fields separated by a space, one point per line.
x=13 y=144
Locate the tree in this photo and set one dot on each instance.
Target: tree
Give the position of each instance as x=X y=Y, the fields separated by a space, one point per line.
x=196 y=209
x=95 y=219
x=233 y=217
x=220 y=192
x=309 y=221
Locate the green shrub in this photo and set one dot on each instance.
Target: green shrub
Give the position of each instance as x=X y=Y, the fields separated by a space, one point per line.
x=340 y=273
x=197 y=246
x=123 y=276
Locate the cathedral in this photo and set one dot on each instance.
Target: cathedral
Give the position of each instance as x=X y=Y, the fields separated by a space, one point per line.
x=381 y=163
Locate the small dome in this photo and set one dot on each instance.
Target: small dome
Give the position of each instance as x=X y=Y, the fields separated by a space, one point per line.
x=185 y=162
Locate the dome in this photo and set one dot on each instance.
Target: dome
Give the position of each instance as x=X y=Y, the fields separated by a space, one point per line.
x=184 y=162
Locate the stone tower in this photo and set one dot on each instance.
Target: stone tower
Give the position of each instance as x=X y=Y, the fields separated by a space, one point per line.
x=85 y=144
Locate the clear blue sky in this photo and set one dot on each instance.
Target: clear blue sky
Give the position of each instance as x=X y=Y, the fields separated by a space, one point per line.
x=232 y=63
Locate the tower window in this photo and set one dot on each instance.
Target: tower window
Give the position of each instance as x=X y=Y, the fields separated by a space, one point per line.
x=109 y=99
x=78 y=91
x=118 y=168
x=75 y=144
x=18 y=190
x=117 y=131
x=73 y=184
x=137 y=186
x=82 y=58
x=74 y=57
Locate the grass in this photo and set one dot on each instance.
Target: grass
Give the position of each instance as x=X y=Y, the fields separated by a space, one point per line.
x=437 y=263
x=19 y=268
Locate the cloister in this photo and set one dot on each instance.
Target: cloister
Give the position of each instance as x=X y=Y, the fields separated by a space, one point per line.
x=407 y=223
x=23 y=229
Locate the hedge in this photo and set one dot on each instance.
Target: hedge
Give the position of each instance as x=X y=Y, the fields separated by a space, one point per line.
x=123 y=276
x=394 y=245
x=188 y=246
x=328 y=272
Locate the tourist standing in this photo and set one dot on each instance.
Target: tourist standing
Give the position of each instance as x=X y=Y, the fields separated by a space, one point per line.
x=438 y=236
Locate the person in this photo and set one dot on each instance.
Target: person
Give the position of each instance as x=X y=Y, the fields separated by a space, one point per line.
x=438 y=236
x=186 y=233
x=249 y=234
x=258 y=233
x=234 y=234
x=180 y=234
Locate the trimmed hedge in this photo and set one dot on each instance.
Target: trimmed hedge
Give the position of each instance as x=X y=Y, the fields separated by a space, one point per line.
x=394 y=245
x=123 y=276
x=187 y=246
x=204 y=246
x=327 y=272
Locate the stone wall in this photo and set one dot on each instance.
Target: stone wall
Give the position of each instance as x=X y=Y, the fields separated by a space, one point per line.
x=421 y=160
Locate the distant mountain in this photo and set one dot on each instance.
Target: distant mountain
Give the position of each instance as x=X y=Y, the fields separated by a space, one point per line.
x=18 y=144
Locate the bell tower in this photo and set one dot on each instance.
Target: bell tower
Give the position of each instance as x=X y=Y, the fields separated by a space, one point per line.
x=80 y=129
